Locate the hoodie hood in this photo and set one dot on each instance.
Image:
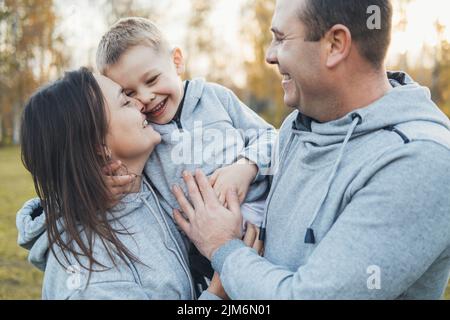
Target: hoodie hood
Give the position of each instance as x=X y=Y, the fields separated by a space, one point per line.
x=193 y=94
x=30 y=222
x=406 y=102
x=32 y=230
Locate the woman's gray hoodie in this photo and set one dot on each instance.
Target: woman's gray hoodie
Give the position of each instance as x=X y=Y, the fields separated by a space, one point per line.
x=359 y=207
x=162 y=274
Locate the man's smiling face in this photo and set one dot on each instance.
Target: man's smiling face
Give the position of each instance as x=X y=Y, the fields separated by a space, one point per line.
x=298 y=60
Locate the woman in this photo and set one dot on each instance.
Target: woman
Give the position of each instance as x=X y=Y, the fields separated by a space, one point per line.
x=70 y=131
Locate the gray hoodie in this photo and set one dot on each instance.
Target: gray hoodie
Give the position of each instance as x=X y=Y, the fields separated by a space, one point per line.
x=212 y=129
x=359 y=207
x=162 y=273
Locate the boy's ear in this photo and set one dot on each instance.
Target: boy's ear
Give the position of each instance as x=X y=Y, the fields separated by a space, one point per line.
x=178 y=60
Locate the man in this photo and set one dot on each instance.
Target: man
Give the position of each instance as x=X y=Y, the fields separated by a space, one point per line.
x=359 y=207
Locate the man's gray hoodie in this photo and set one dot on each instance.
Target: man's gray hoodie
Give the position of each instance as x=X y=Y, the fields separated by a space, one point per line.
x=161 y=273
x=359 y=208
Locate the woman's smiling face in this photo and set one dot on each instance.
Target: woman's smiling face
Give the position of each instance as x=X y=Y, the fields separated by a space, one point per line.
x=129 y=135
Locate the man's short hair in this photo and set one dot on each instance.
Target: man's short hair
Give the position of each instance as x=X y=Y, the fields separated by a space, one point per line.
x=125 y=34
x=319 y=16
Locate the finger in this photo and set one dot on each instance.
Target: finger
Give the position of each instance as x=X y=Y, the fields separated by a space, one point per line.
x=241 y=197
x=222 y=198
x=207 y=192
x=213 y=178
x=120 y=181
x=233 y=202
x=183 y=202
x=181 y=221
x=112 y=167
x=194 y=193
x=258 y=245
x=217 y=190
x=120 y=192
x=250 y=235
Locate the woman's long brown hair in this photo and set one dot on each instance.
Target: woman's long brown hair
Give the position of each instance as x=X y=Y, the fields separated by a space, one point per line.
x=63 y=132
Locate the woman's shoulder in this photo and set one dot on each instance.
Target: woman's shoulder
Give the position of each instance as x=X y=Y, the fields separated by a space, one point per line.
x=67 y=274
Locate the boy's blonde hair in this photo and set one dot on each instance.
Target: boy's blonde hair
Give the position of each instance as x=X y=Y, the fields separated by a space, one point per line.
x=124 y=34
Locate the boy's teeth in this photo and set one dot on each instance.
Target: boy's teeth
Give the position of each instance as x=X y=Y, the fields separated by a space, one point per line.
x=159 y=106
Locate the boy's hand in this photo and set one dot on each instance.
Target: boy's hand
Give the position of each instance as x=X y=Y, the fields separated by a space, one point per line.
x=237 y=176
x=117 y=184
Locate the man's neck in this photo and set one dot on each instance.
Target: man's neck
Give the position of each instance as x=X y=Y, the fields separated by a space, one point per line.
x=360 y=92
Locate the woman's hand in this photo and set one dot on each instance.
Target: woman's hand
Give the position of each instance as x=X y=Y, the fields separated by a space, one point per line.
x=117 y=184
x=238 y=176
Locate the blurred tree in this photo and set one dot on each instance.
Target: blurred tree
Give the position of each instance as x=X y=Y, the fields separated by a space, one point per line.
x=201 y=48
x=436 y=83
x=441 y=85
x=264 y=91
x=31 y=53
x=116 y=9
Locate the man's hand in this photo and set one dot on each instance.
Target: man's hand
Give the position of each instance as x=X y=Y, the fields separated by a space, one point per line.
x=251 y=239
x=118 y=185
x=237 y=176
x=209 y=225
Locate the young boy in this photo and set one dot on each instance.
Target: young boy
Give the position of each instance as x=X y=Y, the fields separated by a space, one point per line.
x=202 y=125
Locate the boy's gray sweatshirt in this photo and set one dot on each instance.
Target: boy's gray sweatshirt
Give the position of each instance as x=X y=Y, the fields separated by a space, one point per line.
x=213 y=129
x=161 y=273
x=359 y=208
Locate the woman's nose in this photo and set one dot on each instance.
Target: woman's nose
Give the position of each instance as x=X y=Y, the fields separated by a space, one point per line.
x=139 y=105
x=271 y=56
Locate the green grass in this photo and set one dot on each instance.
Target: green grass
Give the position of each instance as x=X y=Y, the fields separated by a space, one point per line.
x=18 y=279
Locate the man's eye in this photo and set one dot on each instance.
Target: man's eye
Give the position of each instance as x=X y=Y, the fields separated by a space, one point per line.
x=129 y=93
x=127 y=103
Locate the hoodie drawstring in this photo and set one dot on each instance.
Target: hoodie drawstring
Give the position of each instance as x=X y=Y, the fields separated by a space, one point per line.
x=182 y=261
x=309 y=236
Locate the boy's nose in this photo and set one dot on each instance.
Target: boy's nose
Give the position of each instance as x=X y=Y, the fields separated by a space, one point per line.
x=147 y=98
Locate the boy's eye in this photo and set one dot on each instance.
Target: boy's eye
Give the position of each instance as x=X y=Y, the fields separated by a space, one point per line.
x=151 y=80
x=129 y=93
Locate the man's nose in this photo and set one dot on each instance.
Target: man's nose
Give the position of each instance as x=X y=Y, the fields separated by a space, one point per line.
x=271 y=55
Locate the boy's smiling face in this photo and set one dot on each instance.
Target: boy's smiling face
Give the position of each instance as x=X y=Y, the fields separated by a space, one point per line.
x=152 y=77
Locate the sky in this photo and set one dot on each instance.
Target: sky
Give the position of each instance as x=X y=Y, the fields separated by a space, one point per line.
x=83 y=24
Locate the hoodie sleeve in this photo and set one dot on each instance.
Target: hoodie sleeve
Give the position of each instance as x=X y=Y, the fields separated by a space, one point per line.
x=258 y=135
x=394 y=228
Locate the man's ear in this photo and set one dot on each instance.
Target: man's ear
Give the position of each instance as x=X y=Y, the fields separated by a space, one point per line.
x=338 y=44
x=178 y=60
